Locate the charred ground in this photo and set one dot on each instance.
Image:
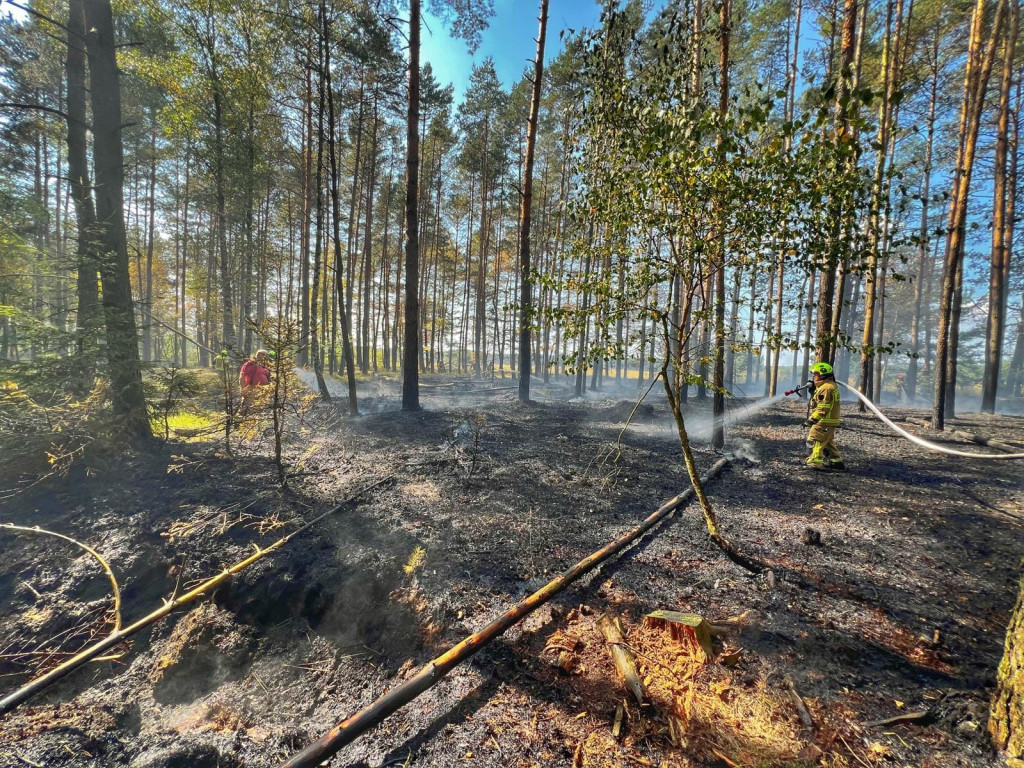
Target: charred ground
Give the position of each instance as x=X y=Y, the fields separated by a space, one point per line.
x=902 y=607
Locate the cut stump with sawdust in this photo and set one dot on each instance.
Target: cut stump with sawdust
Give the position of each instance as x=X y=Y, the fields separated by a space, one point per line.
x=684 y=627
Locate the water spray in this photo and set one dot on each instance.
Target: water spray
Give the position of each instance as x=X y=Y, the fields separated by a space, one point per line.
x=927 y=445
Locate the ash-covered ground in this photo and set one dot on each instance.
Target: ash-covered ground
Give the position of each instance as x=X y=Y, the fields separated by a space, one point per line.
x=901 y=608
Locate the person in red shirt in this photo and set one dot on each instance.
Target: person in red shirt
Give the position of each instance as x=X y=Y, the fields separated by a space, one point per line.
x=255 y=373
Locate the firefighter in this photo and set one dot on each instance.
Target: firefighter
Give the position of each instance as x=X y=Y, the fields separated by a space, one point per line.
x=255 y=373
x=824 y=420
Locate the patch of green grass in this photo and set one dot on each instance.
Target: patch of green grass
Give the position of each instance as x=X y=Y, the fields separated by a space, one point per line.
x=193 y=426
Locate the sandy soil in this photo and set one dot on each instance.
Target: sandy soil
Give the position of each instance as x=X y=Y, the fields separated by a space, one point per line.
x=901 y=608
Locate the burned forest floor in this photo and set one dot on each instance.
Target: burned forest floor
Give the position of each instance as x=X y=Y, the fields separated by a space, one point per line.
x=889 y=590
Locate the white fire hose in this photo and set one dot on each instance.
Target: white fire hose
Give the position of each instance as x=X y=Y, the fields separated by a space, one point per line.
x=925 y=443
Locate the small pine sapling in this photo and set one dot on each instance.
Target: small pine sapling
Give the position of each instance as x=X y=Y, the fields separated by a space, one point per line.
x=281 y=337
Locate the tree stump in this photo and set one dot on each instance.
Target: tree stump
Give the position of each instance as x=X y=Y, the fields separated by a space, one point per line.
x=684 y=626
x=1006 y=721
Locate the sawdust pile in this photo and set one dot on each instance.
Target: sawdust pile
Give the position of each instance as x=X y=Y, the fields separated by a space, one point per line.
x=734 y=710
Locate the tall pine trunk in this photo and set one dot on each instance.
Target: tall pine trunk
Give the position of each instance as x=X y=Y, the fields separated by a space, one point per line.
x=1002 y=232
x=343 y=306
x=920 y=303
x=879 y=191
x=219 y=173
x=525 y=219
x=1013 y=373
x=718 y=402
x=147 y=302
x=979 y=68
x=792 y=72
x=366 y=349
x=824 y=343
x=410 y=356
x=182 y=277
x=245 y=289
x=307 y=201
x=480 y=305
x=127 y=396
x=318 y=232
x=78 y=171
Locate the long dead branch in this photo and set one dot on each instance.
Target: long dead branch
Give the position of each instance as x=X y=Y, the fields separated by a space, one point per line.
x=99 y=558
x=923 y=718
x=354 y=726
x=32 y=688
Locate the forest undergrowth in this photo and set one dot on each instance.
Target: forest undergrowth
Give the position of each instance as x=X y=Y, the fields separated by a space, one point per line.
x=900 y=609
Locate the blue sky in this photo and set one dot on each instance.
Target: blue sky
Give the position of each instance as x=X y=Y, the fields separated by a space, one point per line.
x=510 y=39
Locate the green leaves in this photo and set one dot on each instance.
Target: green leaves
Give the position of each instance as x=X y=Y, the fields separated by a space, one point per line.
x=672 y=191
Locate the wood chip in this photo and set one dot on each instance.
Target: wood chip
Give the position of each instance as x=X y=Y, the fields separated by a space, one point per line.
x=620 y=711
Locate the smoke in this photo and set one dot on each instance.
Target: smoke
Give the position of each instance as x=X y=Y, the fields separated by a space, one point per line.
x=744 y=449
x=308 y=379
x=463 y=433
x=699 y=427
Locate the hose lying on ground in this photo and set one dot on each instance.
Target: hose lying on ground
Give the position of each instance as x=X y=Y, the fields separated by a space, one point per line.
x=354 y=726
x=921 y=441
x=35 y=686
x=1008 y=446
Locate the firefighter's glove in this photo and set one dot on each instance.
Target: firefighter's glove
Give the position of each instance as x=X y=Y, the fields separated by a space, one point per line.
x=810 y=423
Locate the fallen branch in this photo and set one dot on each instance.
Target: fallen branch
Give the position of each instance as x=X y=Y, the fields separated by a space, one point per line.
x=354 y=726
x=921 y=718
x=801 y=708
x=99 y=558
x=612 y=631
x=35 y=686
x=724 y=759
x=724 y=626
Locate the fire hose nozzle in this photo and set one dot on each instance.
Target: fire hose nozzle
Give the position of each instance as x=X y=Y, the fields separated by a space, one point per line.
x=799 y=390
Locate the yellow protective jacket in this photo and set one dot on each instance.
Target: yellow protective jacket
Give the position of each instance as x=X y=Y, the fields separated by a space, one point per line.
x=826 y=404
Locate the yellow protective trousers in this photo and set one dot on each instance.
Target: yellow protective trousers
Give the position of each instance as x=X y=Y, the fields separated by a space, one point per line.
x=823 y=446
